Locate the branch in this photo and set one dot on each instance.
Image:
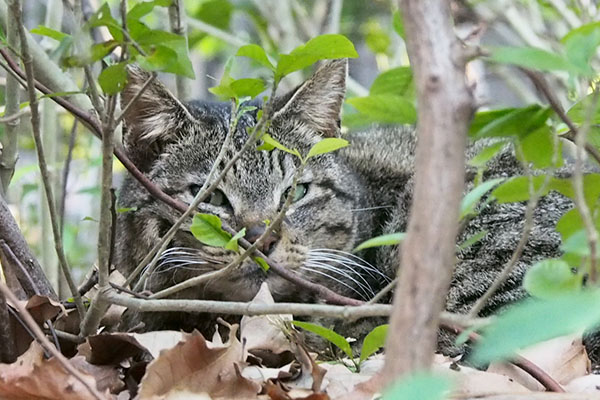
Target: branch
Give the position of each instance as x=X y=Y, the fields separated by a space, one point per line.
x=35 y=124
x=178 y=26
x=8 y=157
x=445 y=108
x=49 y=347
x=7 y=344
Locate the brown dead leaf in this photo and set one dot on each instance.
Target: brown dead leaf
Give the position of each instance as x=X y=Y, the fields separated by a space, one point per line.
x=262 y=335
x=564 y=359
x=33 y=378
x=112 y=349
x=193 y=367
x=42 y=308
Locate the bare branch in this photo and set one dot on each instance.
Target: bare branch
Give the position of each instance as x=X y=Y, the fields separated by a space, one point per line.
x=177 y=21
x=445 y=107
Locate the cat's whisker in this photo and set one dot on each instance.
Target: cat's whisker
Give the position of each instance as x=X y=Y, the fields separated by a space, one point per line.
x=333 y=279
x=346 y=257
x=344 y=274
x=341 y=266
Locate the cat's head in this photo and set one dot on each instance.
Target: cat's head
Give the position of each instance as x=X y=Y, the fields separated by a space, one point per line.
x=176 y=144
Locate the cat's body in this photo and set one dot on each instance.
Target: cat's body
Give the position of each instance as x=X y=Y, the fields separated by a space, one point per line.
x=343 y=198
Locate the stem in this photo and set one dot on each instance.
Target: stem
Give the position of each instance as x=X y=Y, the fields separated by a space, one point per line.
x=35 y=123
x=9 y=156
x=178 y=27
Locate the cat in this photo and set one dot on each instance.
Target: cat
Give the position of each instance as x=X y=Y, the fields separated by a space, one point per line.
x=342 y=199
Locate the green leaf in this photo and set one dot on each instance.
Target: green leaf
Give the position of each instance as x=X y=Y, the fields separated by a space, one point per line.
x=145 y=8
x=122 y=210
x=386 y=108
x=326 y=145
x=338 y=340
x=269 y=144
x=374 y=341
x=88 y=218
x=214 y=12
x=486 y=154
x=581 y=45
x=534 y=58
x=471 y=240
x=509 y=122
x=517 y=189
x=51 y=33
x=233 y=242
x=577 y=244
x=538 y=148
x=420 y=386
x=550 y=278
x=167 y=52
x=207 y=229
x=250 y=87
x=329 y=46
x=471 y=199
x=103 y=17
x=113 y=78
x=578 y=113
x=256 y=53
x=261 y=263
x=398 y=24
x=396 y=81
x=383 y=240
x=534 y=321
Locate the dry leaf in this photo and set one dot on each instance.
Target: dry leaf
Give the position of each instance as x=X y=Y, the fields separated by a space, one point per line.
x=584 y=384
x=564 y=359
x=157 y=341
x=262 y=335
x=33 y=378
x=472 y=383
x=193 y=367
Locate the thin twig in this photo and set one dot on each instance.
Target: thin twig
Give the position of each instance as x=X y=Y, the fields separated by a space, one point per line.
x=580 y=202
x=135 y=98
x=9 y=154
x=579 y=136
x=46 y=344
x=12 y=118
x=534 y=197
x=388 y=288
x=35 y=123
x=65 y=173
x=178 y=26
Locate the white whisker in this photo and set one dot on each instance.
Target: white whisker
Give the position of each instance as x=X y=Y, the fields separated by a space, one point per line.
x=333 y=279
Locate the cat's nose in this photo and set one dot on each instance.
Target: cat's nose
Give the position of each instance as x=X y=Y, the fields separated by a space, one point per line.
x=254 y=231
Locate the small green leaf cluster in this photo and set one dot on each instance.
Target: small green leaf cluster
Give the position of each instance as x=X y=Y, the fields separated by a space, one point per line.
x=152 y=49
x=374 y=340
x=329 y=46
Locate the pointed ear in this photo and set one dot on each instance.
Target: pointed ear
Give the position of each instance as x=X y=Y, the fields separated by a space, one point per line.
x=153 y=118
x=318 y=101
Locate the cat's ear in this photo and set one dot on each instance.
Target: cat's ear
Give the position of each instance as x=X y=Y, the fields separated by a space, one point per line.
x=155 y=118
x=318 y=101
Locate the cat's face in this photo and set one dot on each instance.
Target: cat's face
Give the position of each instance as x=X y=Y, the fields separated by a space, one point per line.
x=178 y=152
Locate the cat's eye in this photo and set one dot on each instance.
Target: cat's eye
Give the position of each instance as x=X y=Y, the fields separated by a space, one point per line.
x=299 y=193
x=216 y=198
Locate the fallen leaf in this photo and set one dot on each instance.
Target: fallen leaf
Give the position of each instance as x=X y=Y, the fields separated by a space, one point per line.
x=584 y=384
x=32 y=377
x=262 y=335
x=194 y=367
x=563 y=358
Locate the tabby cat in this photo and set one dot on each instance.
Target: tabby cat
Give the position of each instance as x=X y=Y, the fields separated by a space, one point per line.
x=341 y=199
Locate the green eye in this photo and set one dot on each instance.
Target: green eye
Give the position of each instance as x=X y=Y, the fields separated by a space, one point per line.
x=299 y=193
